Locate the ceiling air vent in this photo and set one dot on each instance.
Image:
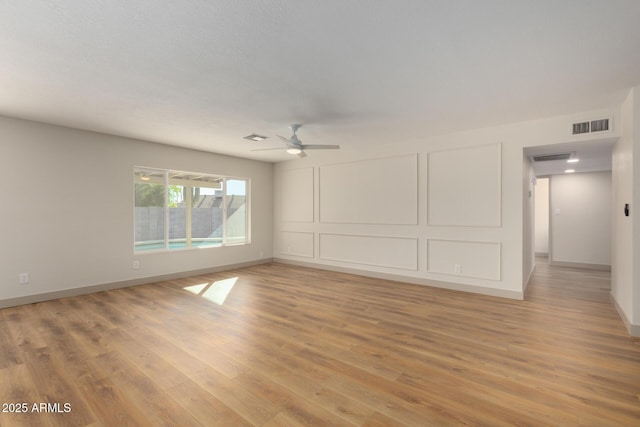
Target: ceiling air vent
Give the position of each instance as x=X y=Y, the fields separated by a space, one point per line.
x=579 y=128
x=599 y=125
x=549 y=157
x=590 y=126
x=255 y=137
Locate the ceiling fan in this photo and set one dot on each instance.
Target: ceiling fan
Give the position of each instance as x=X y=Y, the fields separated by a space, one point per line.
x=295 y=147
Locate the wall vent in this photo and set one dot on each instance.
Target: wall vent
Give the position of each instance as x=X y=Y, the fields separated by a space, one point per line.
x=579 y=128
x=590 y=126
x=550 y=157
x=599 y=125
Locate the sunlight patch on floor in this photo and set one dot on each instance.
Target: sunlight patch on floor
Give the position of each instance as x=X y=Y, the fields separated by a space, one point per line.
x=216 y=292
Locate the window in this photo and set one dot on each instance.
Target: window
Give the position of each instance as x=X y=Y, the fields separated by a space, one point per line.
x=236 y=229
x=178 y=210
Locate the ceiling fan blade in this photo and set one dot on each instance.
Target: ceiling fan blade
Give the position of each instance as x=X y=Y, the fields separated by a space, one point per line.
x=319 y=147
x=267 y=149
x=301 y=154
x=285 y=140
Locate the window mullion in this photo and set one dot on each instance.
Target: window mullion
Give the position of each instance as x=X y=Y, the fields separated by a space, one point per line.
x=188 y=201
x=166 y=210
x=224 y=211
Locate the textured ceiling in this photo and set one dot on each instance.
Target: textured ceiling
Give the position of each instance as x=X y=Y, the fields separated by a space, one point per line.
x=203 y=74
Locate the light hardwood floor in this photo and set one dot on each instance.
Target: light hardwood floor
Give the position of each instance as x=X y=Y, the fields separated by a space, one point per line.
x=293 y=346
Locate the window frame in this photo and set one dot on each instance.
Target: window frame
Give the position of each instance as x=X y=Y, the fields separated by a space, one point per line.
x=190 y=183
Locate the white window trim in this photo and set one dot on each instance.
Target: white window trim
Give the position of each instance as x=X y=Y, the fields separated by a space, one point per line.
x=190 y=184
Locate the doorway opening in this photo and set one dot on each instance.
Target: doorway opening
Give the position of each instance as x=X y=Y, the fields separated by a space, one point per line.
x=570 y=217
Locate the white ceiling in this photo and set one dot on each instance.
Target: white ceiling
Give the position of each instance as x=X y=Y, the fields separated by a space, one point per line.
x=203 y=74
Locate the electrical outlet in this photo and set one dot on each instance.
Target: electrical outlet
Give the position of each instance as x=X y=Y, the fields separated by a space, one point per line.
x=23 y=278
x=136 y=264
x=261 y=254
x=457 y=268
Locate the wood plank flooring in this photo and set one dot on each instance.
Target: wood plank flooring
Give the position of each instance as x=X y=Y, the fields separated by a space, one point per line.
x=289 y=346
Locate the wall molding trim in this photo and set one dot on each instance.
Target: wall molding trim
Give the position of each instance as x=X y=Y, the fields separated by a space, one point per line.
x=634 y=330
x=482 y=290
x=369 y=179
x=84 y=290
x=292 y=185
x=459 y=167
x=383 y=261
x=586 y=266
x=293 y=252
x=495 y=275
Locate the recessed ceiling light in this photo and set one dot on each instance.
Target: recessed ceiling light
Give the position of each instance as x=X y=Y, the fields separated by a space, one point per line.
x=573 y=160
x=570 y=171
x=255 y=137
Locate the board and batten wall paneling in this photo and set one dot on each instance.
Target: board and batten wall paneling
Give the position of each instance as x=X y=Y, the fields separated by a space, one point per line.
x=464 y=187
x=379 y=191
x=382 y=251
x=479 y=260
x=296 y=243
x=296 y=190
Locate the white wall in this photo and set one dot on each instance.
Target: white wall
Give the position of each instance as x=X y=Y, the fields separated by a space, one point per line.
x=635 y=204
x=542 y=216
x=67 y=210
x=625 y=284
x=581 y=218
x=528 y=224
x=467 y=192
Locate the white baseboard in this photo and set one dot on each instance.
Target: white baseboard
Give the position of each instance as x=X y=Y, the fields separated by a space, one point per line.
x=634 y=330
x=599 y=267
x=47 y=296
x=483 y=290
